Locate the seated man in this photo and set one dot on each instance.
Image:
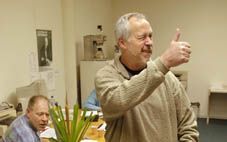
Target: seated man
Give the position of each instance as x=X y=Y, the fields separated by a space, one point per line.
x=92 y=103
x=26 y=127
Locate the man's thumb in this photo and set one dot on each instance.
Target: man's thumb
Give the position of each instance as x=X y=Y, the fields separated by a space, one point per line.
x=177 y=35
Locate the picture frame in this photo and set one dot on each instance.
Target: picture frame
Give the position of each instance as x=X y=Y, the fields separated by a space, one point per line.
x=44 y=47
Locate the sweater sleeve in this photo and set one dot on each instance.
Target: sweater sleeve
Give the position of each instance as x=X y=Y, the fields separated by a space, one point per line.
x=186 y=119
x=118 y=94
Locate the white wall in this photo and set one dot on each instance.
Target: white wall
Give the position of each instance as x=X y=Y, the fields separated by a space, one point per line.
x=69 y=21
x=48 y=15
x=15 y=44
x=19 y=21
x=70 y=49
x=203 y=24
x=89 y=14
x=81 y=18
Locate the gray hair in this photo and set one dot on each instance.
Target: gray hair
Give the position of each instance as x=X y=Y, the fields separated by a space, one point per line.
x=122 y=29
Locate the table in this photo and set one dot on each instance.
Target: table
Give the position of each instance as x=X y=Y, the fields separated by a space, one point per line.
x=95 y=134
x=213 y=91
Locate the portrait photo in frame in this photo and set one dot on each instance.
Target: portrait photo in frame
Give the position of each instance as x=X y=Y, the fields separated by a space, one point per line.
x=44 y=47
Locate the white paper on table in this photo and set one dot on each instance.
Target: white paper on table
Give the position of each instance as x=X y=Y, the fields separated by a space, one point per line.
x=88 y=113
x=100 y=114
x=102 y=127
x=48 y=133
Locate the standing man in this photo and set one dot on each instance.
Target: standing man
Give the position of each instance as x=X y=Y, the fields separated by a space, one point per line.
x=141 y=100
x=26 y=128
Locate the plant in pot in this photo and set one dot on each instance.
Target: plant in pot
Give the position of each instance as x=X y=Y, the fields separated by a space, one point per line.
x=69 y=130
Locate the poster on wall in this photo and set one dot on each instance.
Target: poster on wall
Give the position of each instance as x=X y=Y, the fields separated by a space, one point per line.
x=45 y=55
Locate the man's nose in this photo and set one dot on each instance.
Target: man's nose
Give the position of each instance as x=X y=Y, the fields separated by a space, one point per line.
x=148 y=41
x=45 y=117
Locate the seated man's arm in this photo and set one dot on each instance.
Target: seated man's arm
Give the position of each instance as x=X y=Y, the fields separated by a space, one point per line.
x=92 y=102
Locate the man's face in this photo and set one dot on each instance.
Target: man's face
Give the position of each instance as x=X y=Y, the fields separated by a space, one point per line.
x=139 y=44
x=39 y=115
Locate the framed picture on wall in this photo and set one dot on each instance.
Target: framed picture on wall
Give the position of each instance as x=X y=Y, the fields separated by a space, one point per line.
x=44 y=46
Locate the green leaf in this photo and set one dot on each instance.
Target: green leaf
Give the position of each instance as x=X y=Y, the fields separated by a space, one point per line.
x=79 y=124
x=74 y=122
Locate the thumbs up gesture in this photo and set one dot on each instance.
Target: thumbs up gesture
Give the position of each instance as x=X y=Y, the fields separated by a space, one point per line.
x=178 y=52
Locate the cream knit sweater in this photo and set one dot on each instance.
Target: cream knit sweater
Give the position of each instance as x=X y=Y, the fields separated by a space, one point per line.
x=149 y=107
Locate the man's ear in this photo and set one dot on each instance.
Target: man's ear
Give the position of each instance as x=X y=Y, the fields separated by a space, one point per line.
x=28 y=110
x=121 y=43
